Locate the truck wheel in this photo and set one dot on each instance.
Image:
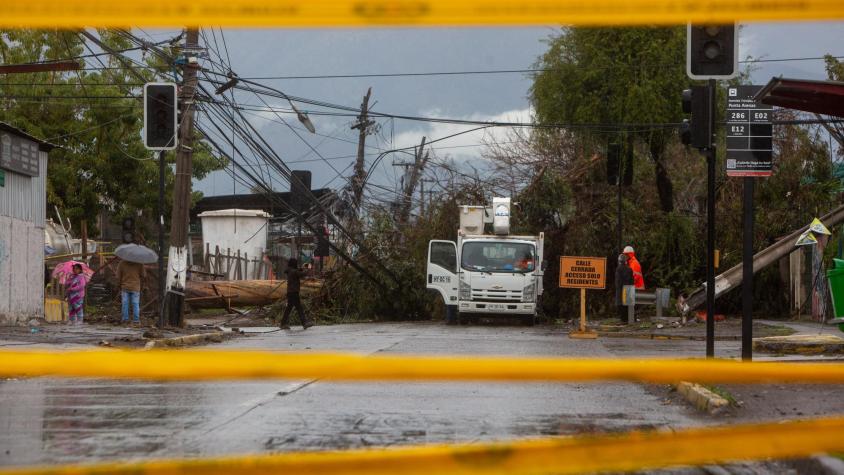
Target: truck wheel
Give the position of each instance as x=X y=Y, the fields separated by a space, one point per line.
x=528 y=320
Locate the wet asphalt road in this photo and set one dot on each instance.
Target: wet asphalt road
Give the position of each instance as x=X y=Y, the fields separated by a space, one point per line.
x=46 y=420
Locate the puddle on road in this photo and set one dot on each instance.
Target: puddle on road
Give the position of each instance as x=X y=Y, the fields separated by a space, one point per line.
x=315 y=432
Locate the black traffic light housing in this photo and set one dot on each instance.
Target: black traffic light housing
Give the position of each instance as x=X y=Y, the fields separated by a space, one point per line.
x=619 y=164
x=696 y=130
x=160 y=116
x=128 y=235
x=712 y=51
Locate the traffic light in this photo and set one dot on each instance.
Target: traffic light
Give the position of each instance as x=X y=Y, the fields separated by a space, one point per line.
x=619 y=164
x=613 y=163
x=300 y=189
x=160 y=121
x=696 y=130
x=711 y=51
x=128 y=230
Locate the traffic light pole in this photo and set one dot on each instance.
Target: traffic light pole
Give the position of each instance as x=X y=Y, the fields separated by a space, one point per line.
x=162 y=318
x=710 y=224
x=747 y=273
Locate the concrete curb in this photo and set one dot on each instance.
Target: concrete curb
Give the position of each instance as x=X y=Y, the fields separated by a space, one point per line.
x=654 y=336
x=198 y=339
x=702 y=398
x=800 y=345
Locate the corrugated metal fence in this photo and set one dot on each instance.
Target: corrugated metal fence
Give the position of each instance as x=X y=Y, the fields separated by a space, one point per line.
x=24 y=197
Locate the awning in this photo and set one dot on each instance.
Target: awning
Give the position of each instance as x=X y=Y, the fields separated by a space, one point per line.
x=822 y=97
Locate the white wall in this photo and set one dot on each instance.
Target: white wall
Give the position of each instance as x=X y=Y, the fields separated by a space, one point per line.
x=21 y=271
x=244 y=233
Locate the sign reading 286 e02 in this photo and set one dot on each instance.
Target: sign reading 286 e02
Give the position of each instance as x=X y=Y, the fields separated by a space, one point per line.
x=749 y=133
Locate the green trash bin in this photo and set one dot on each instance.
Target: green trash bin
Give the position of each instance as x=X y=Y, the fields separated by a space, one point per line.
x=835 y=278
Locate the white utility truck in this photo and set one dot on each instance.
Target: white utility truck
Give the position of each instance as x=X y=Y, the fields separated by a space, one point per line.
x=485 y=275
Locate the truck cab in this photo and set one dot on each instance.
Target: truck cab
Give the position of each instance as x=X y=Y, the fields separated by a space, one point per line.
x=484 y=275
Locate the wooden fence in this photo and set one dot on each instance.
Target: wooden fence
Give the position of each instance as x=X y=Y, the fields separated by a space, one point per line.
x=234 y=266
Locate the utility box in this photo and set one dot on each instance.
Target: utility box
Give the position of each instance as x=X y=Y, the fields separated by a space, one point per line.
x=472 y=219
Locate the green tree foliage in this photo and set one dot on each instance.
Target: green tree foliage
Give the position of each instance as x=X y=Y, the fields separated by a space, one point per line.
x=616 y=76
x=95 y=117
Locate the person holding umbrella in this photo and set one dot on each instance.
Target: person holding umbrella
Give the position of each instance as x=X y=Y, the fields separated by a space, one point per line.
x=74 y=276
x=75 y=293
x=130 y=277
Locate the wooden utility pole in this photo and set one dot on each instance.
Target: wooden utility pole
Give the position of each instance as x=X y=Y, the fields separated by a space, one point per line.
x=430 y=192
x=363 y=124
x=410 y=187
x=177 y=263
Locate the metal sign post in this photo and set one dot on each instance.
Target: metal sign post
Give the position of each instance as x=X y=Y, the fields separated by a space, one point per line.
x=749 y=155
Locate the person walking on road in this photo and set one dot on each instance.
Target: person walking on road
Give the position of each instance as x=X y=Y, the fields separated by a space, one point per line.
x=294 y=285
x=638 y=278
x=130 y=275
x=75 y=289
x=623 y=276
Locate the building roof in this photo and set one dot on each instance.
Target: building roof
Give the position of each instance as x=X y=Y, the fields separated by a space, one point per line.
x=821 y=97
x=276 y=207
x=43 y=145
x=228 y=213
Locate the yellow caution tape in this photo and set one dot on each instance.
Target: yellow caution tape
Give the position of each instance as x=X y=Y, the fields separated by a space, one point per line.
x=207 y=365
x=356 y=13
x=631 y=451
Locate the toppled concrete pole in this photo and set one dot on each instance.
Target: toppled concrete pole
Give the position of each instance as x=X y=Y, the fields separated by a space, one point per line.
x=732 y=277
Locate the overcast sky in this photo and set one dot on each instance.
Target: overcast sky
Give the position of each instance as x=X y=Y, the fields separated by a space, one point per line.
x=307 y=52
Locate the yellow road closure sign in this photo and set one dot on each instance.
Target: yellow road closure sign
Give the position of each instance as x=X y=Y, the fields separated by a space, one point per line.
x=357 y=13
x=583 y=272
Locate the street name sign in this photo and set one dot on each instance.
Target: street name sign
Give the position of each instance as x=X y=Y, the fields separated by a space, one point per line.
x=749 y=133
x=583 y=272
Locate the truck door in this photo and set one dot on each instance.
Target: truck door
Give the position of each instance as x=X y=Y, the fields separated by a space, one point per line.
x=442 y=270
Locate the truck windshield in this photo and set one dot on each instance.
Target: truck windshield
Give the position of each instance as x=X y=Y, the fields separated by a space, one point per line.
x=498 y=257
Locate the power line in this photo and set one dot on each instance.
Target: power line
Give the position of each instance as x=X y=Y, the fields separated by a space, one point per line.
x=488 y=71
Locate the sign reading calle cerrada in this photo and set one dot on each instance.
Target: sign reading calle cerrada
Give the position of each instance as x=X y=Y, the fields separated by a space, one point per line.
x=583 y=272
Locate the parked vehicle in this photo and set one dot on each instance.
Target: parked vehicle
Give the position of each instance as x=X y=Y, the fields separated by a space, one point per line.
x=482 y=274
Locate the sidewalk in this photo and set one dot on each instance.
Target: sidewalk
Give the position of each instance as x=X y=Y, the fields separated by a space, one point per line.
x=63 y=335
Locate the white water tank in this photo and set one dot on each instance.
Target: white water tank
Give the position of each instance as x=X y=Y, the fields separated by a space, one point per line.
x=501 y=216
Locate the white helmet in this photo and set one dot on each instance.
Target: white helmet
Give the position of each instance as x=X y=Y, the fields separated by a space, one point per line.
x=628 y=249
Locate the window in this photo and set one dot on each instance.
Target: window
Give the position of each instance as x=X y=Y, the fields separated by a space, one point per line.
x=499 y=257
x=444 y=254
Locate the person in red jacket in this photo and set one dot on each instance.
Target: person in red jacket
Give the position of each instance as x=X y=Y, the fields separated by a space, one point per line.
x=638 y=278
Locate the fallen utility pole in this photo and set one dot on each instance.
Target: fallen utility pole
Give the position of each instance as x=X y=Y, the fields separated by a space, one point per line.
x=177 y=262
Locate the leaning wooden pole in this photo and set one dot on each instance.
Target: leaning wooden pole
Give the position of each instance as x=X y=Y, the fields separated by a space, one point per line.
x=177 y=263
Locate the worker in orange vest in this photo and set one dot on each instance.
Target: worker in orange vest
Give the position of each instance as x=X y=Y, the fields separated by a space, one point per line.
x=638 y=278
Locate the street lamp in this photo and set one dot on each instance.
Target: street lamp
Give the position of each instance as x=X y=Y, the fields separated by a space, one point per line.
x=302 y=116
